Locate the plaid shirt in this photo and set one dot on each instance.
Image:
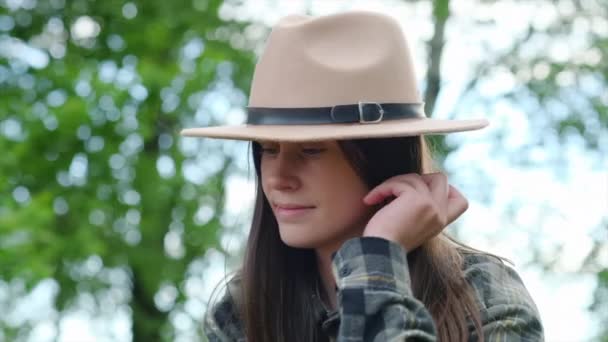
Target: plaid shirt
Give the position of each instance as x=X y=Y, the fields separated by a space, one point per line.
x=375 y=300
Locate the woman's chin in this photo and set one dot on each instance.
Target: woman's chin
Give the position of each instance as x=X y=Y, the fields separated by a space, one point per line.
x=301 y=242
x=304 y=236
x=298 y=239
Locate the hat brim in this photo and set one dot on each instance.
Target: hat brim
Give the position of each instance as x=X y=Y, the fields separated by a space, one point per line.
x=298 y=133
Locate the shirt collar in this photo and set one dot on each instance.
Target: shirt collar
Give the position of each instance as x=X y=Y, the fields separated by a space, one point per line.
x=329 y=320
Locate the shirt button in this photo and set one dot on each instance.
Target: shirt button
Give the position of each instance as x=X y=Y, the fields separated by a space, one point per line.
x=344 y=271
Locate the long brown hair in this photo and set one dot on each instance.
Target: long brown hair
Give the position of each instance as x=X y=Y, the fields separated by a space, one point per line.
x=278 y=281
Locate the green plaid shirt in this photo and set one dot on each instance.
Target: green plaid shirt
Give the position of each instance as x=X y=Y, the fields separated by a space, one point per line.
x=375 y=301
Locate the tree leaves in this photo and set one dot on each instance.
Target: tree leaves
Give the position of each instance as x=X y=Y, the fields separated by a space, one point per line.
x=94 y=162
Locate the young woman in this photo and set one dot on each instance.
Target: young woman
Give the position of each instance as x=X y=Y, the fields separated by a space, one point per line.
x=347 y=239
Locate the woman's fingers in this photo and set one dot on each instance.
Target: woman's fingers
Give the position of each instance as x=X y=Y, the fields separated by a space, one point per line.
x=449 y=201
x=384 y=191
x=394 y=187
x=438 y=187
x=457 y=204
x=424 y=205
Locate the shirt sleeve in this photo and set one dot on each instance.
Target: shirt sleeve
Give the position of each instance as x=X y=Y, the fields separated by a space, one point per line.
x=376 y=302
x=507 y=310
x=211 y=326
x=221 y=322
x=374 y=294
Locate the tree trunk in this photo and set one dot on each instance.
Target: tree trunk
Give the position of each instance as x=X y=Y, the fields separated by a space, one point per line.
x=148 y=321
x=441 y=13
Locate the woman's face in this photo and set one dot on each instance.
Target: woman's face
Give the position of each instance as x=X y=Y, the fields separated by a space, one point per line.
x=315 y=194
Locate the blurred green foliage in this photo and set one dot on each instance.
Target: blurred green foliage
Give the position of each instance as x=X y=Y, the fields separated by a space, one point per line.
x=94 y=179
x=560 y=65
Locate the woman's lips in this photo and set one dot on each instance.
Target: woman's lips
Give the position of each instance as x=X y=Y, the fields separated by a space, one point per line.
x=290 y=212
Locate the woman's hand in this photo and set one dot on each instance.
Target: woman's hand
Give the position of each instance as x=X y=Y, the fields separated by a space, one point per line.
x=421 y=207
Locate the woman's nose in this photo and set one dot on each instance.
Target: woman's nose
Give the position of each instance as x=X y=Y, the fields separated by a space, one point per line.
x=283 y=173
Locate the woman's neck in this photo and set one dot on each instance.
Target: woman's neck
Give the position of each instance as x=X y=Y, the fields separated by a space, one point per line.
x=329 y=295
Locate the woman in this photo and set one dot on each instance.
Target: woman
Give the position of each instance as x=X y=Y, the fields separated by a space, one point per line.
x=347 y=239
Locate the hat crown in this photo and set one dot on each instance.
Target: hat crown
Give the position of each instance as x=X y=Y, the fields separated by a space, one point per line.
x=337 y=77
x=334 y=60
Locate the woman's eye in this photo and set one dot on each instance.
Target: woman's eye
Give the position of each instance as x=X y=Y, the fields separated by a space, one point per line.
x=312 y=151
x=269 y=150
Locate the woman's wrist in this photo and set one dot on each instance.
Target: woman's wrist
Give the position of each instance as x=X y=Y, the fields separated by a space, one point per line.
x=380 y=234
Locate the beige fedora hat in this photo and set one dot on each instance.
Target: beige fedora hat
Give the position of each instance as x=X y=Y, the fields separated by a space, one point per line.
x=342 y=76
